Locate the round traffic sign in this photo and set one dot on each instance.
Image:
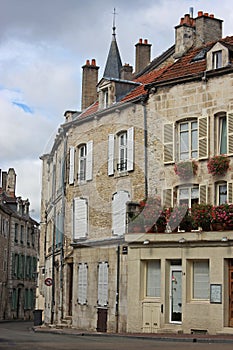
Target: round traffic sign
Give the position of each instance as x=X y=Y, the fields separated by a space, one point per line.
x=48 y=281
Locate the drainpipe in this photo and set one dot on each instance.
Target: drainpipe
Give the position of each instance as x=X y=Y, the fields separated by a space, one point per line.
x=117 y=289
x=143 y=102
x=63 y=222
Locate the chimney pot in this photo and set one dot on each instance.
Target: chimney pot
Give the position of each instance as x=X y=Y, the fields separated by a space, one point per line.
x=211 y=15
x=182 y=20
x=140 y=41
x=87 y=63
x=145 y=41
x=200 y=13
x=206 y=14
x=93 y=62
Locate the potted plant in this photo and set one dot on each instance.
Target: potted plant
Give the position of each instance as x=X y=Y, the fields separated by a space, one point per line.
x=186 y=223
x=186 y=169
x=218 y=165
x=201 y=216
x=222 y=217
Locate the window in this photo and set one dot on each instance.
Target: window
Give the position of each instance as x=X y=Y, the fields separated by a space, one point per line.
x=153 y=278
x=21 y=234
x=82 y=283
x=14 y=299
x=221 y=193
x=121 y=152
x=80 y=218
x=201 y=279
x=188 y=142
x=221 y=134
x=82 y=163
x=188 y=195
x=119 y=201
x=217 y=60
x=16 y=232
x=105 y=98
x=103 y=284
x=59 y=230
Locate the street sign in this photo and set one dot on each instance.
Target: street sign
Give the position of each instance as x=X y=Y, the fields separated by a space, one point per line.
x=48 y=281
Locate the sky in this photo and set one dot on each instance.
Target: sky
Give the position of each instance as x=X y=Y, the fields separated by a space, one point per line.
x=43 y=46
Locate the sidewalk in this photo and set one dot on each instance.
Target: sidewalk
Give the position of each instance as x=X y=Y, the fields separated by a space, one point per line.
x=193 y=338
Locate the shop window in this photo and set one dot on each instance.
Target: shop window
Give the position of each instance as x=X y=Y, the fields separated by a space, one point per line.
x=201 y=279
x=153 y=278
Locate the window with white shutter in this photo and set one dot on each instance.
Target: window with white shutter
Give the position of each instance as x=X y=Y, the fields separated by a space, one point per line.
x=82 y=283
x=89 y=160
x=153 y=281
x=119 y=201
x=230 y=133
x=103 y=284
x=111 y=141
x=168 y=141
x=80 y=218
x=203 y=137
x=71 y=171
x=201 y=279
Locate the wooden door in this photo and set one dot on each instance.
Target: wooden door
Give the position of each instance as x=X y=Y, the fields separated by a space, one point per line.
x=231 y=293
x=102 y=320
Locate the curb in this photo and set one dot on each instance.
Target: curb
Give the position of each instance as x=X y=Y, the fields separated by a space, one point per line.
x=188 y=338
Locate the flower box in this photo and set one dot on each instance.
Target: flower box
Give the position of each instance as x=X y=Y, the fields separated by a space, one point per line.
x=218 y=165
x=186 y=169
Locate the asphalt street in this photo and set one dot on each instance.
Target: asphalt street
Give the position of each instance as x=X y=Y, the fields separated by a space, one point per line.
x=21 y=336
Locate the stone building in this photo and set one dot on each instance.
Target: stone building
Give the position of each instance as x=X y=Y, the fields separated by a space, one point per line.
x=122 y=148
x=19 y=237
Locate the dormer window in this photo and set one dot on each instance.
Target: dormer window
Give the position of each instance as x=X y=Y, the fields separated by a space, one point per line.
x=217 y=59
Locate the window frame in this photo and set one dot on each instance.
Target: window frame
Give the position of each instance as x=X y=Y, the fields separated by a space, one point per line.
x=189 y=188
x=199 y=281
x=153 y=272
x=190 y=146
x=217 y=59
x=82 y=163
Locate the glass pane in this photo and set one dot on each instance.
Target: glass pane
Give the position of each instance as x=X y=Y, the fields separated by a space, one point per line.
x=195 y=192
x=183 y=126
x=184 y=193
x=194 y=140
x=222 y=194
x=153 y=278
x=223 y=135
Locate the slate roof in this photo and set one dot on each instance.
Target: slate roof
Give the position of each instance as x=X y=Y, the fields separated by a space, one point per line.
x=113 y=64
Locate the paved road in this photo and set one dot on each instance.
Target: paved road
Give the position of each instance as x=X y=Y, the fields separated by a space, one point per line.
x=20 y=336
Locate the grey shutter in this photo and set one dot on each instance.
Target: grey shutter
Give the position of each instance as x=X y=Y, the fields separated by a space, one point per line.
x=168 y=140
x=71 y=172
x=168 y=198
x=203 y=137
x=203 y=194
x=103 y=284
x=111 y=141
x=79 y=218
x=230 y=192
x=230 y=133
x=89 y=160
x=119 y=212
x=130 y=149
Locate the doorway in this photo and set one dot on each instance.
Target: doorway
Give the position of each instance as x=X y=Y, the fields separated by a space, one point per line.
x=102 y=320
x=175 y=294
x=231 y=292
x=70 y=287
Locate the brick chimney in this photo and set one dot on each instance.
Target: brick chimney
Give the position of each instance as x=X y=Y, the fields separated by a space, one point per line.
x=143 y=54
x=89 y=82
x=196 y=32
x=126 y=72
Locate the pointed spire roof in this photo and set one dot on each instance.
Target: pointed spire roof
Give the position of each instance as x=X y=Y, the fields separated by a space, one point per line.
x=113 y=63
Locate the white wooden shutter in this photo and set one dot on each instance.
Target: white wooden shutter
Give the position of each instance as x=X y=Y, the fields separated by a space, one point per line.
x=119 y=212
x=168 y=141
x=71 y=172
x=89 y=160
x=111 y=141
x=168 y=198
x=79 y=218
x=230 y=192
x=203 y=137
x=230 y=133
x=82 y=283
x=103 y=284
x=130 y=149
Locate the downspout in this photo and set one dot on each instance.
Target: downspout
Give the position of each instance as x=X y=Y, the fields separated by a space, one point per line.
x=117 y=289
x=63 y=223
x=143 y=102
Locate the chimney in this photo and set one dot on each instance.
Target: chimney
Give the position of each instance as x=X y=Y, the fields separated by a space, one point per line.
x=184 y=35
x=11 y=183
x=208 y=28
x=89 y=82
x=127 y=72
x=4 y=181
x=143 y=53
